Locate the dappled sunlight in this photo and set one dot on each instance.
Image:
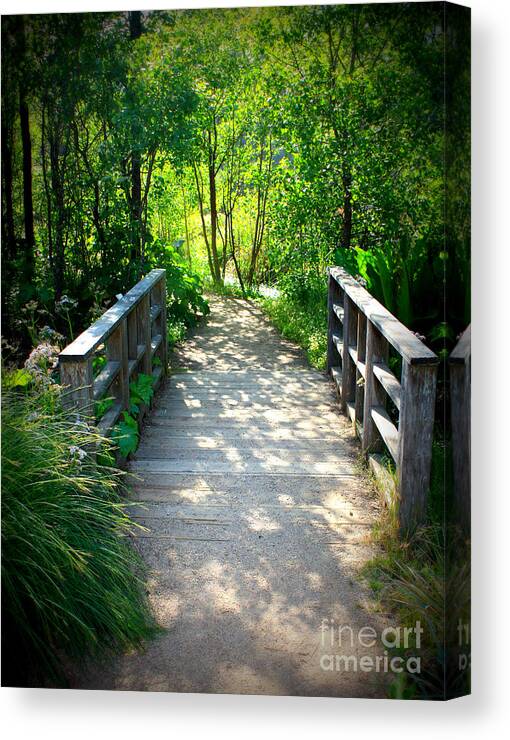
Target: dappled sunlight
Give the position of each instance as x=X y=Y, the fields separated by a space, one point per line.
x=260 y=521
x=286 y=500
x=255 y=518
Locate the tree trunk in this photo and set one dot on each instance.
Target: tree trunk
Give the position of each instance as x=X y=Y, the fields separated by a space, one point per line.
x=28 y=207
x=347 y=209
x=135 y=31
x=7 y=180
x=200 y=196
x=47 y=191
x=57 y=187
x=186 y=228
x=214 y=220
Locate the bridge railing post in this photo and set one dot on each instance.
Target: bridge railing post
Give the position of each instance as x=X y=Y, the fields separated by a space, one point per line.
x=335 y=298
x=76 y=377
x=460 y=407
x=117 y=351
x=415 y=433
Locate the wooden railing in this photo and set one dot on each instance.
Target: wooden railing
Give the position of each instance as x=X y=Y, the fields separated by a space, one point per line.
x=391 y=409
x=131 y=333
x=460 y=395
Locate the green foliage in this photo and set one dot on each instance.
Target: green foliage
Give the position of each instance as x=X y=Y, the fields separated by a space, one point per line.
x=125 y=435
x=102 y=406
x=273 y=142
x=71 y=584
x=306 y=327
x=185 y=302
x=140 y=391
x=232 y=290
x=17 y=379
x=419 y=577
x=176 y=332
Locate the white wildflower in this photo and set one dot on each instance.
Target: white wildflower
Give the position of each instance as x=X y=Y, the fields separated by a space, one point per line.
x=77 y=453
x=66 y=304
x=42 y=361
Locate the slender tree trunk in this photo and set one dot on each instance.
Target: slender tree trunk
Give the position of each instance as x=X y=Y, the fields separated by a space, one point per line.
x=135 y=31
x=7 y=181
x=347 y=208
x=186 y=228
x=26 y=142
x=229 y=236
x=57 y=187
x=47 y=191
x=260 y=221
x=214 y=218
x=200 y=196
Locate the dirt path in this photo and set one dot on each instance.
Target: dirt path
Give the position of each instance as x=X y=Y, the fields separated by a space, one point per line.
x=258 y=524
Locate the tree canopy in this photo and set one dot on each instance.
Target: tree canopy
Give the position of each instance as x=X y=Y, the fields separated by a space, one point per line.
x=257 y=145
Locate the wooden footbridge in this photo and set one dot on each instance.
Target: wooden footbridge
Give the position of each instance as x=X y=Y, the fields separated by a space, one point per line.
x=247 y=480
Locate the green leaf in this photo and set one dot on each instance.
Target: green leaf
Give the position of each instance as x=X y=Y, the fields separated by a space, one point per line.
x=18 y=379
x=125 y=435
x=141 y=390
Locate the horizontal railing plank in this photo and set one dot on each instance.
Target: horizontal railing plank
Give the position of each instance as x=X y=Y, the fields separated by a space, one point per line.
x=359 y=364
x=155 y=342
x=105 y=378
x=85 y=344
x=387 y=429
x=336 y=374
x=399 y=336
x=155 y=311
x=388 y=381
x=338 y=311
x=133 y=364
x=109 y=419
x=337 y=341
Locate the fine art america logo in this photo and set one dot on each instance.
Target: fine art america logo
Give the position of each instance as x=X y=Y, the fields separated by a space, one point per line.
x=346 y=649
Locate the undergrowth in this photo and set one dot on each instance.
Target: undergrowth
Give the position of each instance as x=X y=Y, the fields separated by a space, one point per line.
x=72 y=586
x=424 y=577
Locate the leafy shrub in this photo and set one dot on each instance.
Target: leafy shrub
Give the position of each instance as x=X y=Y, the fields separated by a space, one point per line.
x=185 y=302
x=71 y=583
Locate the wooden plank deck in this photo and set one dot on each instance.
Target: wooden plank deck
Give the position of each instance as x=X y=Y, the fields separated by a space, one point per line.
x=257 y=522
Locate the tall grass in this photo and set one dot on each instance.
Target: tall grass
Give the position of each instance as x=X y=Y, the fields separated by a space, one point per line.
x=426 y=577
x=71 y=583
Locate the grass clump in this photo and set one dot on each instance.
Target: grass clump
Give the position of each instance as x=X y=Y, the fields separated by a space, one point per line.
x=71 y=583
x=425 y=577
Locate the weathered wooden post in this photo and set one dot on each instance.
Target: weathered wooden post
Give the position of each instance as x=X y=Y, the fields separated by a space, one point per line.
x=144 y=333
x=361 y=346
x=76 y=378
x=414 y=456
x=332 y=290
x=161 y=288
x=117 y=351
x=375 y=395
x=349 y=337
x=460 y=407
